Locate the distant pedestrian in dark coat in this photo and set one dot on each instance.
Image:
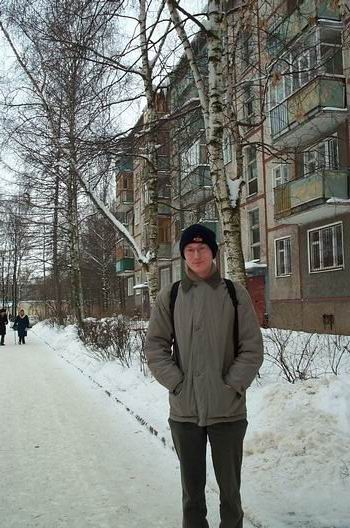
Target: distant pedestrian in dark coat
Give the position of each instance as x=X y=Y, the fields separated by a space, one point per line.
x=3 y=322
x=21 y=324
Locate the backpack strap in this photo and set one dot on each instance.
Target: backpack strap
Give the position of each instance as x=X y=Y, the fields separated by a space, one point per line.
x=232 y=293
x=173 y=296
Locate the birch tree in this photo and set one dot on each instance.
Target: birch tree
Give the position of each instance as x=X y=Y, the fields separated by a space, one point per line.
x=143 y=61
x=211 y=93
x=80 y=48
x=62 y=84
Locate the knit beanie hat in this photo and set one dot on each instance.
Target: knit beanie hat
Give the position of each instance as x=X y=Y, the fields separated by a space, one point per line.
x=200 y=234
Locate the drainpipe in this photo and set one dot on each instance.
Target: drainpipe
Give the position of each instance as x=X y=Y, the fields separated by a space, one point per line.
x=267 y=282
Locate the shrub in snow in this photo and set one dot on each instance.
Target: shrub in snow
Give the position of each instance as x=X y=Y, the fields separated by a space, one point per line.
x=118 y=338
x=302 y=355
x=108 y=339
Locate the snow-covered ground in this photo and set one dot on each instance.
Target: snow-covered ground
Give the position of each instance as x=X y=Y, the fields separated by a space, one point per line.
x=296 y=469
x=71 y=458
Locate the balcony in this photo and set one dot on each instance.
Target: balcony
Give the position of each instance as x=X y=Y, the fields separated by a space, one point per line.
x=164 y=210
x=198 y=183
x=124 y=164
x=164 y=250
x=307 y=14
x=305 y=200
x=124 y=200
x=125 y=266
x=316 y=109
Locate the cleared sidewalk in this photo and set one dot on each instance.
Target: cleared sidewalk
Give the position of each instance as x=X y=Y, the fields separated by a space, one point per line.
x=69 y=457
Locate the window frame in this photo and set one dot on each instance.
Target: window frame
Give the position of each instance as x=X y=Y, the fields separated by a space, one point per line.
x=248 y=100
x=227 y=147
x=250 y=164
x=137 y=214
x=325 y=269
x=331 y=162
x=284 y=251
x=284 y=178
x=131 y=284
x=191 y=158
x=254 y=227
x=138 y=280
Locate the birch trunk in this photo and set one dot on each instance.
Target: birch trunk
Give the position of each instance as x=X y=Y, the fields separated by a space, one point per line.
x=151 y=169
x=212 y=100
x=55 y=266
x=74 y=253
x=67 y=160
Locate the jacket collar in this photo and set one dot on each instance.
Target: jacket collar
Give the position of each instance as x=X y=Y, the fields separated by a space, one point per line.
x=191 y=278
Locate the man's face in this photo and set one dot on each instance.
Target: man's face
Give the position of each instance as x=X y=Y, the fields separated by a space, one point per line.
x=199 y=259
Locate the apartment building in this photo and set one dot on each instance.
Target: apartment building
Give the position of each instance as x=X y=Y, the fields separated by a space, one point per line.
x=293 y=82
x=133 y=207
x=307 y=193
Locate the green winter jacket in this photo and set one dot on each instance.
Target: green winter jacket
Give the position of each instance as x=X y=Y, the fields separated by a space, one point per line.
x=209 y=383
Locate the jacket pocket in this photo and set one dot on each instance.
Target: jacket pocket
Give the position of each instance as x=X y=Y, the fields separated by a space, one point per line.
x=182 y=404
x=224 y=402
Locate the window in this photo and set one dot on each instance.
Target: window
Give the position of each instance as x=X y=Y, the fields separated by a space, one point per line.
x=191 y=158
x=130 y=286
x=137 y=214
x=303 y=65
x=138 y=279
x=227 y=147
x=248 y=104
x=280 y=174
x=146 y=197
x=252 y=170
x=248 y=49
x=164 y=230
x=330 y=51
x=164 y=277
x=326 y=248
x=280 y=86
x=323 y=155
x=283 y=257
x=254 y=234
x=130 y=221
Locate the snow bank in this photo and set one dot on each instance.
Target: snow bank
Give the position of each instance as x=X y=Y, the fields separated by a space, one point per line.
x=296 y=469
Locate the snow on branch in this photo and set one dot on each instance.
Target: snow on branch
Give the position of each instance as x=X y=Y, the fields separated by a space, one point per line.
x=234 y=189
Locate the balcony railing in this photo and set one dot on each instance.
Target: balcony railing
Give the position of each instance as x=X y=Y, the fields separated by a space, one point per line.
x=196 y=180
x=319 y=95
x=125 y=264
x=125 y=197
x=306 y=193
x=164 y=250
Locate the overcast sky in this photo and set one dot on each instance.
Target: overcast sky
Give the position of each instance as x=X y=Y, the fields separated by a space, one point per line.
x=127 y=116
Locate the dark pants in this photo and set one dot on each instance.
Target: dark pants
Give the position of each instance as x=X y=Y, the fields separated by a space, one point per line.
x=21 y=339
x=2 y=339
x=226 y=441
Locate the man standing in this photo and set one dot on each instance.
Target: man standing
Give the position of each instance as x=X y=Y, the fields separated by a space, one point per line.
x=206 y=378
